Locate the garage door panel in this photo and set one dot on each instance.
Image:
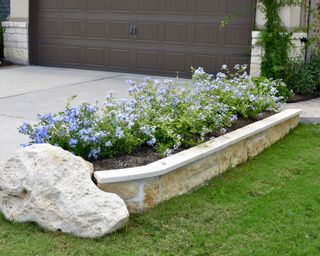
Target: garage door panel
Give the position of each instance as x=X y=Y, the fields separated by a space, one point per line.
x=96 y=5
x=177 y=6
x=206 y=34
x=149 y=5
x=208 y=6
x=48 y=54
x=147 y=60
x=71 y=28
x=95 y=57
x=238 y=35
x=71 y=4
x=176 y=32
x=209 y=62
x=174 y=62
x=119 y=30
x=48 y=5
x=71 y=55
x=171 y=35
x=48 y=27
x=244 y=6
x=119 y=58
x=148 y=31
x=95 y=29
x=122 y=5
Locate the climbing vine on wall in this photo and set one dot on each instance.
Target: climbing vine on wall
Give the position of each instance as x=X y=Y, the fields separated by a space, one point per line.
x=275 y=40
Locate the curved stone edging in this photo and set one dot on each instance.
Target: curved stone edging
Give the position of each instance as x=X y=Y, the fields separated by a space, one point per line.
x=146 y=186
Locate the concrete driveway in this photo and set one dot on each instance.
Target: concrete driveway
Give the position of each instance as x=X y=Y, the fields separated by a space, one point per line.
x=27 y=91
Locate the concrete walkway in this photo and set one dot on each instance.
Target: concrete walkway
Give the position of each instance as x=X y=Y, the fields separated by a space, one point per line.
x=310 y=110
x=27 y=91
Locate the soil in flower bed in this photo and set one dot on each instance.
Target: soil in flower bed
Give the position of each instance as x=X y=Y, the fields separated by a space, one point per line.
x=146 y=155
x=297 y=98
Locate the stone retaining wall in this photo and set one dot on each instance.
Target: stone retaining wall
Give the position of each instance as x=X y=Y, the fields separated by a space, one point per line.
x=211 y=159
x=16 y=42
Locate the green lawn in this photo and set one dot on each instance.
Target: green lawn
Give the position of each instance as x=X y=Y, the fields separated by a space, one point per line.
x=269 y=206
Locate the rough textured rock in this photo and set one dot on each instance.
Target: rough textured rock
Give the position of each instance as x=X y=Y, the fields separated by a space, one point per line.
x=53 y=188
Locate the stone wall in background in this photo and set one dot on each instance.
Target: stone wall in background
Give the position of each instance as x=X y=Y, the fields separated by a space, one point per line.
x=16 y=41
x=297 y=51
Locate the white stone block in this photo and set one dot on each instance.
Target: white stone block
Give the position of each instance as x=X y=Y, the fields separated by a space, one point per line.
x=17 y=55
x=255 y=60
x=256 y=51
x=255 y=70
x=16 y=37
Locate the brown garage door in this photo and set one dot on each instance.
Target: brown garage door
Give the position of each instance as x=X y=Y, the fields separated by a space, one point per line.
x=142 y=36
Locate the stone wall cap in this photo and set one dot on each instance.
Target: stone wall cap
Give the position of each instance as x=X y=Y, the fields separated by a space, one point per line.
x=171 y=163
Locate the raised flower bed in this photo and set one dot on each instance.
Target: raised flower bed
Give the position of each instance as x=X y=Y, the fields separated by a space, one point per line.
x=146 y=186
x=167 y=117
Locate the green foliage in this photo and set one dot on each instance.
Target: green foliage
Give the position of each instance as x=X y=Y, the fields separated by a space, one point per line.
x=166 y=115
x=274 y=40
x=303 y=78
x=283 y=90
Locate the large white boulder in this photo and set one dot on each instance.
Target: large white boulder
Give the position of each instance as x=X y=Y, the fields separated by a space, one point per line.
x=52 y=187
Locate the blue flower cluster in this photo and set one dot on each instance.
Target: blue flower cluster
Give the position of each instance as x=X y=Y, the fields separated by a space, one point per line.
x=166 y=115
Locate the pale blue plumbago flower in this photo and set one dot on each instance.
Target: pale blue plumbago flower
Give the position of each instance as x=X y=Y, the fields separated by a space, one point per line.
x=152 y=141
x=223 y=131
x=237 y=67
x=24 y=128
x=108 y=144
x=130 y=82
x=199 y=71
x=119 y=133
x=73 y=142
x=168 y=152
x=94 y=153
x=252 y=98
x=168 y=81
x=233 y=118
x=224 y=67
x=221 y=75
x=239 y=94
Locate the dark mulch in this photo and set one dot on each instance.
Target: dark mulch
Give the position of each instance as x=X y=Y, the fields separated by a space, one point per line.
x=146 y=155
x=297 y=98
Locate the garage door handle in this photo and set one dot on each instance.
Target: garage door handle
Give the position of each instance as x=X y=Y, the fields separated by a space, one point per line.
x=133 y=31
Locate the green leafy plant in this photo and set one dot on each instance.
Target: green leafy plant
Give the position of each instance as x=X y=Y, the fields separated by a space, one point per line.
x=275 y=40
x=283 y=90
x=303 y=78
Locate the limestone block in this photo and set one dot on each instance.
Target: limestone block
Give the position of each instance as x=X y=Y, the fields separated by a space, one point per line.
x=53 y=188
x=125 y=190
x=152 y=192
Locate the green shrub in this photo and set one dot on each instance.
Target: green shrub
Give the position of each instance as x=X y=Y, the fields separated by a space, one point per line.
x=303 y=78
x=282 y=89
